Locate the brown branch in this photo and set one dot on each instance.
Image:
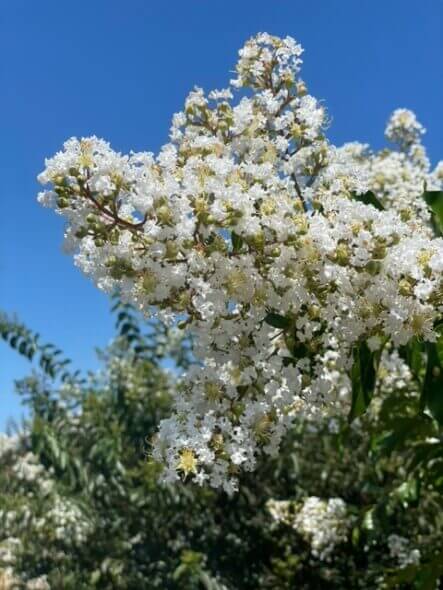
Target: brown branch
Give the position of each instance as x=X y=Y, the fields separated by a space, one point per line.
x=284 y=104
x=299 y=193
x=113 y=215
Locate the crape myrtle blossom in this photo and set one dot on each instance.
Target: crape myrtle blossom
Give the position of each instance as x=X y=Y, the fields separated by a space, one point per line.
x=249 y=214
x=400 y=549
x=327 y=523
x=36 y=507
x=323 y=523
x=399 y=177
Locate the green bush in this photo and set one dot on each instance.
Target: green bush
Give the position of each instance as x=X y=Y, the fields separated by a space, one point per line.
x=81 y=507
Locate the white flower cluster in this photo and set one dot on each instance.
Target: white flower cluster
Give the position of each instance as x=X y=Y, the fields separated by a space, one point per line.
x=7 y=579
x=322 y=523
x=280 y=510
x=8 y=444
x=9 y=582
x=68 y=521
x=8 y=549
x=266 y=63
x=404 y=129
x=28 y=468
x=400 y=550
x=395 y=375
x=245 y=229
x=40 y=583
x=325 y=523
x=63 y=518
x=398 y=178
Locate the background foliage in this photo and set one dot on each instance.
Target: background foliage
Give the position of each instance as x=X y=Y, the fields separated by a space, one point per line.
x=81 y=507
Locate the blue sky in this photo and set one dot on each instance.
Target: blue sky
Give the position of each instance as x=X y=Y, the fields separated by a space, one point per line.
x=120 y=69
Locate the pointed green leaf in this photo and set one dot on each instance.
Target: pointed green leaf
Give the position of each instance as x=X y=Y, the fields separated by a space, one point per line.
x=369 y=198
x=433 y=383
x=237 y=242
x=434 y=199
x=277 y=321
x=363 y=378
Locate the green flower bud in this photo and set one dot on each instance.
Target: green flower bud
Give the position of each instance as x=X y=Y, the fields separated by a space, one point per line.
x=62 y=203
x=149 y=282
x=171 y=250
x=164 y=215
x=405 y=287
x=81 y=233
x=342 y=254
x=373 y=267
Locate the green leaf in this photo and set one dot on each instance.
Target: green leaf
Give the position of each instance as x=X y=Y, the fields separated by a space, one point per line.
x=363 y=378
x=277 y=321
x=125 y=328
x=424 y=453
x=300 y=350
x=401 y=430
x=405 y=575
x=433 y=383
x=408 y=492
x=368 y=198
x=179 y=572
x=355 y=536
x=434 y=199
x=95 y=577
x=368 y=520
x=439 y=343
x=413 y=355
x=206 y=581
x=429 y=575
x=237 y=242
x=19 y=337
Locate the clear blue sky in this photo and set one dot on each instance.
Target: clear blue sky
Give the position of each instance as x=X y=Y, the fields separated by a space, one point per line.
x=119 y=69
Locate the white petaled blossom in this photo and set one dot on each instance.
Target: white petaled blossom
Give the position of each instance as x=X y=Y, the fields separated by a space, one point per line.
x=404 y=129
x=400 y=550
x=280 y=510
x=7 y=579
x=8 y=550
x=40 y=583
x=64 y=519
x=8 y=444
x=68 y=521
x=398 y=178
x=249 y=211
x=28 y=468
x=324 y=524
x=395 y=375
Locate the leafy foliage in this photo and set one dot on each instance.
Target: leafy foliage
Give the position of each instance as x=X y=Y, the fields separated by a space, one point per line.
x=435 y=201
x=368 y=198
x=131 y=533
x=27 y=343
x=364 y=376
